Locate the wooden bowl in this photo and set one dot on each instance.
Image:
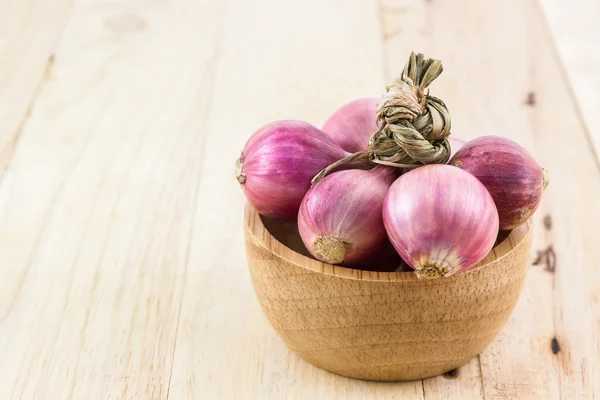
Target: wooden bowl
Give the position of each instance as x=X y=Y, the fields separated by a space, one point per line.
x=385 y=326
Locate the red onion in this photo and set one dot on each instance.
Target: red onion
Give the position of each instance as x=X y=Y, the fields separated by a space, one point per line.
x=512 y=176
x=278 y=163
x=440 y=219
x=455 y=145
x=340 y=217
x=352 y=125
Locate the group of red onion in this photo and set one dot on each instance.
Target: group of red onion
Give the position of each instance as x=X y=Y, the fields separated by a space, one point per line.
x=440 y=218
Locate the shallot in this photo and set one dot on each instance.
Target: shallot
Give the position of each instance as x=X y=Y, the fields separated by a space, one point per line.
x=440 y=219
x=352 y=125
x=278 y=162
x=340 y=218
x=512 y=176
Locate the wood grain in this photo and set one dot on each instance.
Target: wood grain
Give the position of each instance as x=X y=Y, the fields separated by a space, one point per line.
x=121 y=245
x=100 y=199
x=29 y=33
x=576 y=38
x=383 y=326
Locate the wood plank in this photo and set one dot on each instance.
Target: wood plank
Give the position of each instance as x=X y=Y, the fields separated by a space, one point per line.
x=304 y=61
x=462 y=383
x=576 y=37
x=99 y=201
x=29 y=33
x=501 y=77
x=576 y=278
x=126 y=157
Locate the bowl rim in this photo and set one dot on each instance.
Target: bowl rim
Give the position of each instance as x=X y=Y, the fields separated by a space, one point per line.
x=254 y=226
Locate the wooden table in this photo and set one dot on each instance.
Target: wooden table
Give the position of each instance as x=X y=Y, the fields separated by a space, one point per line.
x=122 y=271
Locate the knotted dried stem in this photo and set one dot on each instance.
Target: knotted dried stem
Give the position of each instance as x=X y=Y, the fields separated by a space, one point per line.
x=413 y=125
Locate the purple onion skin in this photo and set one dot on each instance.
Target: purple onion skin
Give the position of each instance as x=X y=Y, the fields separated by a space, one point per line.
x=340 y=218
x=512 y=176
x=352 y=125
x=278 y=163
x=440 y=219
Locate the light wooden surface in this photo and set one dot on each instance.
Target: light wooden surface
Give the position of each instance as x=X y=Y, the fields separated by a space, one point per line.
x=122 y=269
